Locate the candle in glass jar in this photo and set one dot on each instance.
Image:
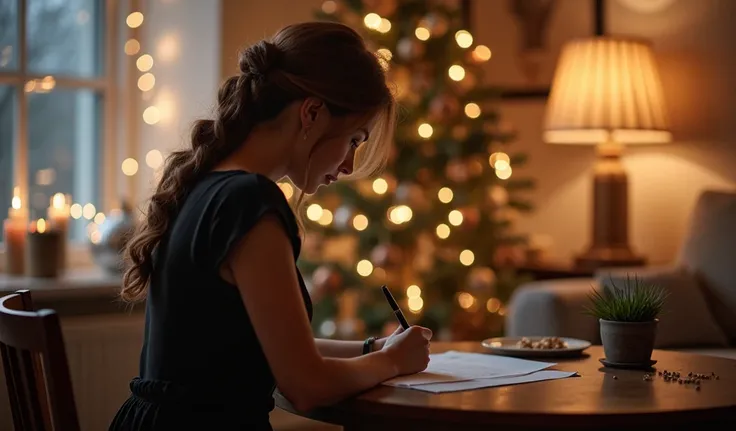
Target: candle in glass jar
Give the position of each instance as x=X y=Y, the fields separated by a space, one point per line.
x=14 y=229
x=42 y=251
x=58 y=216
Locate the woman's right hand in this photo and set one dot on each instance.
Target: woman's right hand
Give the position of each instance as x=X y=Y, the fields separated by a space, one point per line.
x=408 y=349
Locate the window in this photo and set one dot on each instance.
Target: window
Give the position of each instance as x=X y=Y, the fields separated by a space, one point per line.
x=55 y=105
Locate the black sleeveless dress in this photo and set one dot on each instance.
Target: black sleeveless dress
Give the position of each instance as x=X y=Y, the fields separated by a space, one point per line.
x=202 y=366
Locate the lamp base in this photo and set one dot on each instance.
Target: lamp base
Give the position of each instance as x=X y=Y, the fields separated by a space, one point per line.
x=610 y=229
x=600 y=257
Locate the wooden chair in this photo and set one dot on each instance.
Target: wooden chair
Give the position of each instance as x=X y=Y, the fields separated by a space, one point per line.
x=36 y=368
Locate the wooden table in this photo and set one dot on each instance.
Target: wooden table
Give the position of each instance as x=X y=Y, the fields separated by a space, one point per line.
x=600 y=398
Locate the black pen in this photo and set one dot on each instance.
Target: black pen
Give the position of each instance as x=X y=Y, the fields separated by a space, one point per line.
x=395 y=307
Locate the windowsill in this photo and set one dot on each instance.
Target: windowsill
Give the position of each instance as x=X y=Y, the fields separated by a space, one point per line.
x=83 y=279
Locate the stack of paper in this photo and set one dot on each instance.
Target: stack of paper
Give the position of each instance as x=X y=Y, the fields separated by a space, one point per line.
x=458 y=371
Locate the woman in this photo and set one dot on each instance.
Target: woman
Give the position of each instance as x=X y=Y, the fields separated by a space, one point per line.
x=227 y=317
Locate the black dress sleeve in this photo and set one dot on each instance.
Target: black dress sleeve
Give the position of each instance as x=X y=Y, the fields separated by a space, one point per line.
x=241 y=201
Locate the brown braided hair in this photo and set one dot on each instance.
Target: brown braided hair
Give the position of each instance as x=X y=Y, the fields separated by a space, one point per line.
x=329 y=61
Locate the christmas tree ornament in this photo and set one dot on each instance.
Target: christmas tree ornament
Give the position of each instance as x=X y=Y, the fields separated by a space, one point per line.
x=443 y=107
x=410 y=49
x=326 y=280
x=387 y=256
x=482 y=281
x=457 y=171
x=343 y=218
x=435 y=23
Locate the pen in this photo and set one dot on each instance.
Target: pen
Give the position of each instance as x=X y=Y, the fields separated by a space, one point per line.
x=395 y=307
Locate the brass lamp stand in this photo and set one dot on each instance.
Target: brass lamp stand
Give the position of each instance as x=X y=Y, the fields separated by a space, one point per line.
x=610 y=227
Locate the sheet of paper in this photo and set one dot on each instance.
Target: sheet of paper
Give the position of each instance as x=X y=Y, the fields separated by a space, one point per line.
x=467 y=385
x=455 y=366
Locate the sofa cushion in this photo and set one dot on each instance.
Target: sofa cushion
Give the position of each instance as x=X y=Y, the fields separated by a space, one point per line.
x=708 y=252
x=686 y=320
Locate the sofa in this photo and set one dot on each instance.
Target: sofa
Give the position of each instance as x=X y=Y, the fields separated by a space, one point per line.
x=700 y=312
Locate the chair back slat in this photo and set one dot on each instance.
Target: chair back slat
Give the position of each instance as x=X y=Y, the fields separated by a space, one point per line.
x=36 y=366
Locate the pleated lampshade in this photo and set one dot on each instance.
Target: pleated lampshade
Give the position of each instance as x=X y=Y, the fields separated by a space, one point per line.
x=606 y=89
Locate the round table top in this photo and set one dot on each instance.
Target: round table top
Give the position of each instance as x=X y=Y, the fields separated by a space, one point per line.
x=600 y=395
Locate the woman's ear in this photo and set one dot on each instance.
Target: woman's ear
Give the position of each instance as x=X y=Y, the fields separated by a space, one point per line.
x=310 y=112
x=314 y=116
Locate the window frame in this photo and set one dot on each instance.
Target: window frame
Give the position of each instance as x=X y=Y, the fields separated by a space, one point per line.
x=116 y=113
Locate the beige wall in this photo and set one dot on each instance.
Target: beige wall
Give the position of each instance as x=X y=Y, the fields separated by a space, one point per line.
x=696 y=58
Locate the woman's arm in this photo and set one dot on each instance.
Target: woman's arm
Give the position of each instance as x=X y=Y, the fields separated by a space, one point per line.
x=343 y=348
x=262 y=266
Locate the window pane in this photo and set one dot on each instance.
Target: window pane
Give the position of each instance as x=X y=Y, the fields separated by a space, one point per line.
x=65 y=37
x=8 y=34
x=7 y=135
x=65 y=152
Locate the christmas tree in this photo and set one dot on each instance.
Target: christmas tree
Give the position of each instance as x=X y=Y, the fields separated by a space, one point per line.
x=436 y=226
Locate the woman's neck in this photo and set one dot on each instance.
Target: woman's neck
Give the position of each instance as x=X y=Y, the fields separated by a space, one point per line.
x=263 y=152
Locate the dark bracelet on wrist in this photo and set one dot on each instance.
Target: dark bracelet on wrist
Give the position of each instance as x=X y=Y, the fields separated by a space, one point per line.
x=368 y=345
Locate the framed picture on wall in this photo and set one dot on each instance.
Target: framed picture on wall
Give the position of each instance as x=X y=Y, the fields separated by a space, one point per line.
x=525 y=38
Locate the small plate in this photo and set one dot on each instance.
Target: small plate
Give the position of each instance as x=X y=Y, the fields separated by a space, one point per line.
x=507 y=346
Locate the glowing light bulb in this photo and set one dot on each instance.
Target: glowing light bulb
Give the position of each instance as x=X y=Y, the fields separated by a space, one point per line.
x=472 y=110
x=413 y=291
x=443 y=231
x=326 y=218
x=154 y=159
x=421 y=33
x=132 y=47
x=89 y=211
x=384 y=26
x=360 y=222
x=146 y=81
x=493 y=305
x=504 y=174
x=134 y=19
x=144 y=63
x=465 y=300
x=380 y=186
x=314 y=212
x=99 y=218
x=463 y=38
x=481 y=53
x=467 y=257
x=499 y=160
x=425 y=130
x=75 y=211
x=456 y=72
x=445 y=195
x=372 y=21
x=364 y=268
x=129 y=167
x=415 y=304
x=151 y=115
x=455 y=217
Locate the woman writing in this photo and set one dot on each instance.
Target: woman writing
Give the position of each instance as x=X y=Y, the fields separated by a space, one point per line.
x=227 y=312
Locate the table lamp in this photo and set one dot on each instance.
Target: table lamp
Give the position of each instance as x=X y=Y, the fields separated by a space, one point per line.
x=606 y=91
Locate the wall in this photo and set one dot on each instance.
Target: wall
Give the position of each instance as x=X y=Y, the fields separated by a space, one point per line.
x=183 y=36
x=693 y=48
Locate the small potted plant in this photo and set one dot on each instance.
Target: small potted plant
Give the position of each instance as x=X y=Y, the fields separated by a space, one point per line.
x=628 y=317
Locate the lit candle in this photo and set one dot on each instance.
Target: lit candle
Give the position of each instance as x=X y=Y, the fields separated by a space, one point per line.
x=14 y=229
x=44 y=247
x=58 y=216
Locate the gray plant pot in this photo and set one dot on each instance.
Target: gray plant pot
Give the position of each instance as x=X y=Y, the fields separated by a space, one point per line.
x=628 y=342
